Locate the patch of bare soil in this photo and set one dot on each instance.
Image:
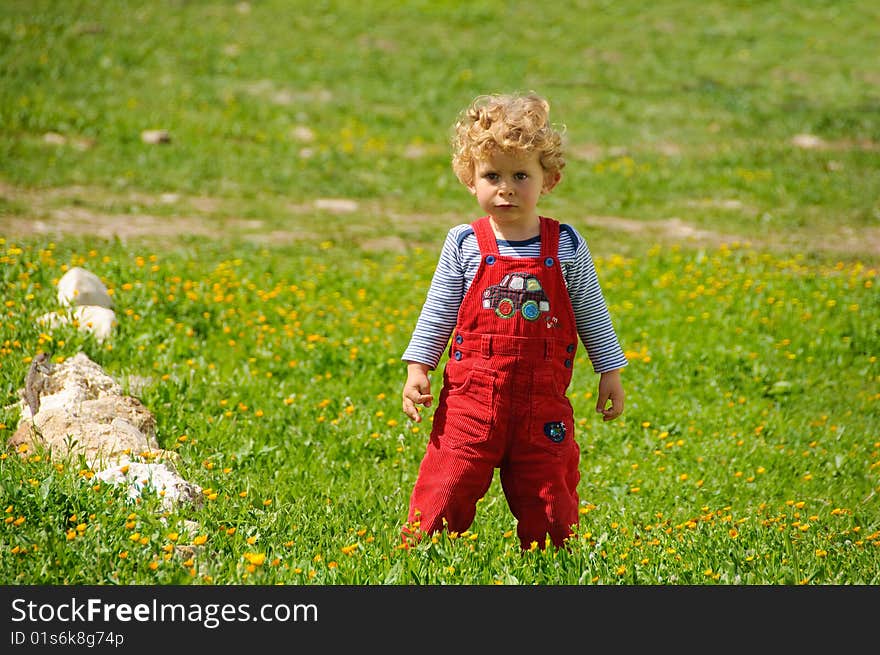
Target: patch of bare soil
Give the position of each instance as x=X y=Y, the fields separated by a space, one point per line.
x=813 y=142
x=844 y=240
x=672 y=229
x=70 y=211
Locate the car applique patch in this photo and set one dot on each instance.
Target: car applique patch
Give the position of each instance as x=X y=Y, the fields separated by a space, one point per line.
x=555 y=431
x=517 y=293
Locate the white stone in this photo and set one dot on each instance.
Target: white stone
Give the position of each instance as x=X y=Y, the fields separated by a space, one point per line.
x=100 y=321
x=54 y=139
x=159 y=479
x=81 y=287
x=807 y=141
x=83 y=413
x=154 y=137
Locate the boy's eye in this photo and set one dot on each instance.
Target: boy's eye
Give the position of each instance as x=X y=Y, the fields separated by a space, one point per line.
x=491 y=176
x=521 y=176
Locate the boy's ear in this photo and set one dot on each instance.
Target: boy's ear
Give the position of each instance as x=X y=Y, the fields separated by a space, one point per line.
x=551 y=180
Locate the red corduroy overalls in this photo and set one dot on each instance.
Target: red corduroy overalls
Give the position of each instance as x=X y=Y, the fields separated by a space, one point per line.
x=503 y=402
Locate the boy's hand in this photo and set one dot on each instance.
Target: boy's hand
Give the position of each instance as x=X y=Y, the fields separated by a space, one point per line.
x=416 y=391
x=610 y=389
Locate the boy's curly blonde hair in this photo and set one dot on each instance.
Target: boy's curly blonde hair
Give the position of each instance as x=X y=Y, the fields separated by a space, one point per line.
x=509 y=123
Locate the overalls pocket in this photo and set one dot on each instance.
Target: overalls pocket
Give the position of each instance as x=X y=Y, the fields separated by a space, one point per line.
x=469 y=404
x=551 y=422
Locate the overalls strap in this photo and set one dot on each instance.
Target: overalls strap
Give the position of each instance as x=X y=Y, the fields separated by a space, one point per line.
x=549 y=237
x=485 y=236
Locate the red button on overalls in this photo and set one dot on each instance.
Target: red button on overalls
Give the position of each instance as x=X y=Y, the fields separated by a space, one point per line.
x=503 y=402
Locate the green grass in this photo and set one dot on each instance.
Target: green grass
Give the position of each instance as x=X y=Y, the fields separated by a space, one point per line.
x=668 y=111
x=269 y=327
x=748 y=452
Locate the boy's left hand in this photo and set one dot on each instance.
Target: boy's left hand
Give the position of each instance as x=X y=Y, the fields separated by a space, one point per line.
x=610 y=389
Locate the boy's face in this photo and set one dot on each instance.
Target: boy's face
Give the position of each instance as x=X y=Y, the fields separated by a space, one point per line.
x=508 y=186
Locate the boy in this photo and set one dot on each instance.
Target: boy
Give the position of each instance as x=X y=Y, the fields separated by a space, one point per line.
x=517 y=290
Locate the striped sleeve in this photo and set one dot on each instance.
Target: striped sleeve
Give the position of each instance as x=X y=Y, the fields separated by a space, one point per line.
x=440 y=310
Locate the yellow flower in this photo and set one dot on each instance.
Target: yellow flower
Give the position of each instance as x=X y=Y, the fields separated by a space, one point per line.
x=199 y=540
x=256 y=559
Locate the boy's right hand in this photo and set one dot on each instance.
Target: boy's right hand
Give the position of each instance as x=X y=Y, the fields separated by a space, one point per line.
x=416 y=391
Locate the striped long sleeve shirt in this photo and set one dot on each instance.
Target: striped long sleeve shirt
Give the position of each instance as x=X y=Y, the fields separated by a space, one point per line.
x=459 y=260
